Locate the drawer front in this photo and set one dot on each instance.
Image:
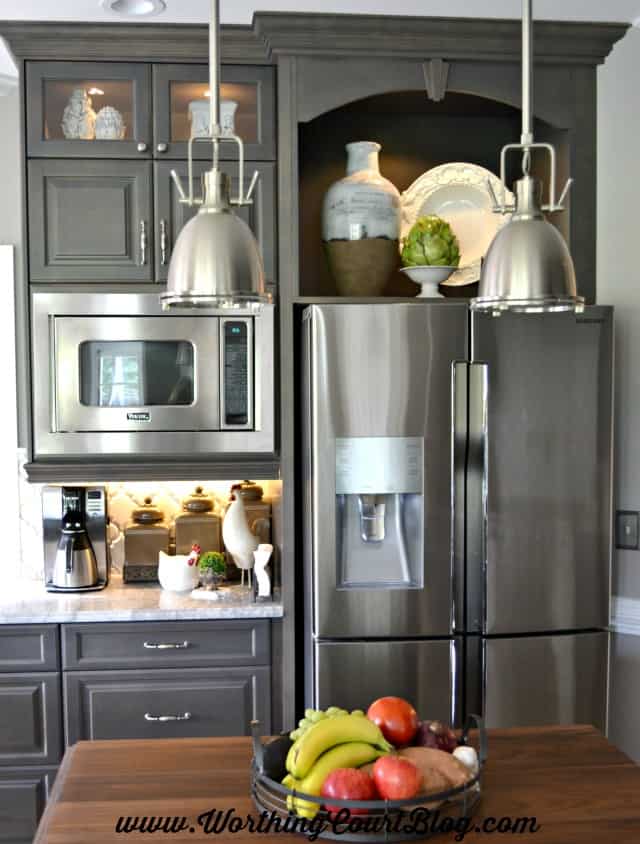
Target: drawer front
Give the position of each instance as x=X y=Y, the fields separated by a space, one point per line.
x=166 y=704
x=29 y=647
x=23 y=794
x=30 y=719
x=191 y=644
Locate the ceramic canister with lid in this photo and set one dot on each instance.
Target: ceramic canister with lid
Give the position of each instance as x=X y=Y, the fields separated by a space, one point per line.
x=144 y=537
x=198 y=524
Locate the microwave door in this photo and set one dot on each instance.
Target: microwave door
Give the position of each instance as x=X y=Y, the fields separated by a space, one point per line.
x=136 y=374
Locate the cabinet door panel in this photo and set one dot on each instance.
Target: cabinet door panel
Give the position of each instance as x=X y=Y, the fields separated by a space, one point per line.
x=29 y=647
x=23 y=794
x=90 y=221
x=166 y=703
x=30 y=719
x=171 y=215
x=57 y=111
x=180 y=88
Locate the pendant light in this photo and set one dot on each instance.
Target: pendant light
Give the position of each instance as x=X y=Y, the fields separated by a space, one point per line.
x=216 y=262
x=528 y=268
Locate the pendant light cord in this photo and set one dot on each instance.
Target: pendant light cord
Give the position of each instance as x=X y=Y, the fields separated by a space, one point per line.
x=527 y=71
x=214 y=76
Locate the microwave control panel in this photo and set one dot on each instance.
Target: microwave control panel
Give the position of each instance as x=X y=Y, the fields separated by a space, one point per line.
x=237 y=373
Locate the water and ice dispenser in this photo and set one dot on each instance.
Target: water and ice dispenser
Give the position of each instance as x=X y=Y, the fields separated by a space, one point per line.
x=379 y=512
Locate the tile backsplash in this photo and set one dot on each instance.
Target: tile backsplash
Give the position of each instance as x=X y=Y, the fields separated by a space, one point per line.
x=123 y=498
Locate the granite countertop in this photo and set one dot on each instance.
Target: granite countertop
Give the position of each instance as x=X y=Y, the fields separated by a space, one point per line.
x=27 y=602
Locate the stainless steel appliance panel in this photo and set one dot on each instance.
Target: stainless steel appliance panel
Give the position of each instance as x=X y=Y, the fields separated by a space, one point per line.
x=352 y=674
x=181 y=430
x=549 y=469
x=381 y=371
x=533 y=681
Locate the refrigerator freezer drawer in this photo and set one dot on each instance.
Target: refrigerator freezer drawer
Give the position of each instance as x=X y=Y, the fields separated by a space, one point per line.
x=535 y=681
x=353 y=674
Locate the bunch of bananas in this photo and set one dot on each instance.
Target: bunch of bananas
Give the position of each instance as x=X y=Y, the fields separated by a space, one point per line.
x=336 y=740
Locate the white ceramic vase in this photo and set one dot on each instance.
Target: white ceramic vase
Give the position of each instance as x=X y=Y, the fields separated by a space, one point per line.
x=361 y=224
x=110 y=124
x=78 y=117
x=199 y=115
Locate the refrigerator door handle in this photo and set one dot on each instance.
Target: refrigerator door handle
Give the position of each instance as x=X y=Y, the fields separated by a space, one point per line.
x=459 y=439
x=476 y=497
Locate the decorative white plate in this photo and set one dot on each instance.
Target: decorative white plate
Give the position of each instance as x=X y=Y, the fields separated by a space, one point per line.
x=458 y=193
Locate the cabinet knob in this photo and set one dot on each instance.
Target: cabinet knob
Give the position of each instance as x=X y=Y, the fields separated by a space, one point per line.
x=142 y=147
x=162 y=147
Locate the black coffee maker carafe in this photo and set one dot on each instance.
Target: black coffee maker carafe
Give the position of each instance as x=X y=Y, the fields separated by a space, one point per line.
x=75 y=565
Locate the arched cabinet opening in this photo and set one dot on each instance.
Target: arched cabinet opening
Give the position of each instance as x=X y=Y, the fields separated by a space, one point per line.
x=416 y=134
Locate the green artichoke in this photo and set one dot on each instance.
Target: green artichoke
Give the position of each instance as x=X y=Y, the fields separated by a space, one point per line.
x=430 y=242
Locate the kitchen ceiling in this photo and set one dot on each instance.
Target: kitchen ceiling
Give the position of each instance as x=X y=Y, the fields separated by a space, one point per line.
x=241 y=11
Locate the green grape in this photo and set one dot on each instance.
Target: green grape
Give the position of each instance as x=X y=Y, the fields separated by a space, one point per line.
x=332 y=711
x=358 y=712
x=318 y=716
x=309 y=713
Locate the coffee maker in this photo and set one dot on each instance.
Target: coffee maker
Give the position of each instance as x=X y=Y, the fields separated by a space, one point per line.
x=76 y=552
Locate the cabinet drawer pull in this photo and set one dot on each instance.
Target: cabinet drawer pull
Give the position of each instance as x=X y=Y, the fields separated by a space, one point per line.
x=166 y=646
x=143 y=242
x=186 y=716
x=163 y=242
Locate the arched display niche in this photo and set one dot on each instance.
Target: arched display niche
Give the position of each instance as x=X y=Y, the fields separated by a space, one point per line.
x=416 y=133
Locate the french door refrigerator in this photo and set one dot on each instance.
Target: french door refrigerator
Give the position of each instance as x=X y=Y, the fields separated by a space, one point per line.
x=457 y=510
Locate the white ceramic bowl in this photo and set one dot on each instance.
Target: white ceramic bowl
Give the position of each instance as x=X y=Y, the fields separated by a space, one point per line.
x=428 y=278
x=175 y=575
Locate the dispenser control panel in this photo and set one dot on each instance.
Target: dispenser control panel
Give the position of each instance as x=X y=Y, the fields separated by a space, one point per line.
x=379 y=465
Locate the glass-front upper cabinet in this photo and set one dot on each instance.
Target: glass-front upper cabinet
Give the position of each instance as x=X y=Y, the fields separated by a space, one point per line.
x=181 y=109
x=88 y=109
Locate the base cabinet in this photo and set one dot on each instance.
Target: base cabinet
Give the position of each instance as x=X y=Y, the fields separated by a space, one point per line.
x=171 y=703
x=23 y=794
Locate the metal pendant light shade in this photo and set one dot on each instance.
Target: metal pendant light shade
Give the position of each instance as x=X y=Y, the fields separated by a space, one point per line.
x=216 y=261
x=528 y=268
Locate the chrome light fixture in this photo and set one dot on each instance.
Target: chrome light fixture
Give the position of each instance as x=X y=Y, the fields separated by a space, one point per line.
x=528 y=268
x=216 y=262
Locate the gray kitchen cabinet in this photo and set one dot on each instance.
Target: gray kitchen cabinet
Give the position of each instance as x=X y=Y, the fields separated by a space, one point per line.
x=29 y=647
x=187 y=702
x=190 y=644
x=90 y=220
x=171 y=214
x=23 y=794
x=177 y=86
x=30 y=719
x=123 y=88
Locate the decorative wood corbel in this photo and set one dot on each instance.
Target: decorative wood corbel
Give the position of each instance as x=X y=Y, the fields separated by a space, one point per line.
x=436 y=74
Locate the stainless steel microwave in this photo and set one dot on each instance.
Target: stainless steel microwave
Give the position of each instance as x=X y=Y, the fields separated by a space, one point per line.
x=113 y=374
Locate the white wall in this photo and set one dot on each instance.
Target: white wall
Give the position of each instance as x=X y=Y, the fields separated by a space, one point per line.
x=618 y=271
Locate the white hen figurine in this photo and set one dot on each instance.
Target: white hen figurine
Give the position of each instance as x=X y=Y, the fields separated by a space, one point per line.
x=238 y=539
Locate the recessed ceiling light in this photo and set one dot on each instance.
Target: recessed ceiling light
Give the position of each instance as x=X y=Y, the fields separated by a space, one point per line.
x=134 y=8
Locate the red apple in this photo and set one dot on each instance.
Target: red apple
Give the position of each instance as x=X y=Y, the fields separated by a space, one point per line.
x=396 y=718
x=396 y=778
x=348 y=784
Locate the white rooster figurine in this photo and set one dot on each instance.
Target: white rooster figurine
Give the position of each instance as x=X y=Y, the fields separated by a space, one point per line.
x=237 y=537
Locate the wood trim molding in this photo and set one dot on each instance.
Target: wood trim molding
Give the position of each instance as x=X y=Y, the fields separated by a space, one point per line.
x=625 y=615
x=430 y=37
x=282 y=33
x=130 y=42
x=50 y=472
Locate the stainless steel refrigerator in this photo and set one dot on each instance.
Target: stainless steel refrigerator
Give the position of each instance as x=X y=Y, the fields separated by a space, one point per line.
x=457 y=510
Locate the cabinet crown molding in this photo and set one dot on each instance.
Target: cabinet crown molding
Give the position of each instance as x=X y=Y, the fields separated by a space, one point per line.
x=282 y=33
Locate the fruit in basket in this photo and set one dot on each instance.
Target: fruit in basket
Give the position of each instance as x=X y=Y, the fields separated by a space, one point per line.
x=396 y=778
x=312 y=716
x=327 y=733
x=350 y=754
x=435 y=734
x=436 y=766
x=468 y=756
x=348 y=784
x=430 y=242
x=396 y=718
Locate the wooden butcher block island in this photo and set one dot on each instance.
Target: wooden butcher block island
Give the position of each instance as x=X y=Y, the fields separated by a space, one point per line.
x=576 y=786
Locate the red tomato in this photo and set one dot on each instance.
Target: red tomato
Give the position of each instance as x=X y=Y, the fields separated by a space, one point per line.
x=396 y=718
x=396 y=778
x=348 y=784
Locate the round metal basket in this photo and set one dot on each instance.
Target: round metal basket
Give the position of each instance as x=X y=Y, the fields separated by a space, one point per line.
x=377 y=820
